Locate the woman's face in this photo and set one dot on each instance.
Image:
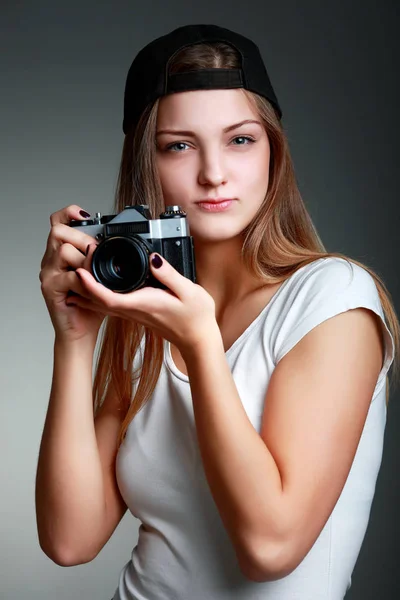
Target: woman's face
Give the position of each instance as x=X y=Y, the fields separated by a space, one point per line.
x=201 y=161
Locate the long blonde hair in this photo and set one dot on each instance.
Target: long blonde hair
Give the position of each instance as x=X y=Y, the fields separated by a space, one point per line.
x=279 y=240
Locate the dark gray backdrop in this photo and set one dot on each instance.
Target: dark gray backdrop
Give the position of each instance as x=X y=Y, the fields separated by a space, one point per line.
x=334 y=67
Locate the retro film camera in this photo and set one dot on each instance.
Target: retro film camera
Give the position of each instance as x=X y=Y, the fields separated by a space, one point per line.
x=121 y=260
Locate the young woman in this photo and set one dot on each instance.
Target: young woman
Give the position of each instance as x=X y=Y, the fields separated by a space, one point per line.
x=241 y=418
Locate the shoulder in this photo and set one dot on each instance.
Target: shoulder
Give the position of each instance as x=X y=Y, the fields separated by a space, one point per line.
x=334 y=275
x=326 y=281
x=320 y=290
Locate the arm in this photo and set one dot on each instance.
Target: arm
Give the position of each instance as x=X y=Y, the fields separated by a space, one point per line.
x=241 y=472
x=70 y=499
x=271 y=489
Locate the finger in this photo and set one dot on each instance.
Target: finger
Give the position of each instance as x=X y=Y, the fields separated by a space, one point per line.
x=139 y=303
x=97 y=291
x=88 y=304
x=64 y=282
x=170 y=277
x=68 y=213
x=87 y=261
x=142 y=300
x=68 y=257
x=61 y=234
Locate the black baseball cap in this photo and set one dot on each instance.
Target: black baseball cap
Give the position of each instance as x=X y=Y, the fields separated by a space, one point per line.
x=148 y=77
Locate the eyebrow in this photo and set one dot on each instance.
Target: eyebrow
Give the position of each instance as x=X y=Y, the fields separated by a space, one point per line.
x=225 y=130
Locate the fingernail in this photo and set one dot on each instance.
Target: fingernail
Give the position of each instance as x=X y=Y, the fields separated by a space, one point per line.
x=84 y=213
x=156 y=261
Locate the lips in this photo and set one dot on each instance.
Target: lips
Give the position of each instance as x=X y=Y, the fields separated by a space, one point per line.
x=215 y=207
x=214 y=200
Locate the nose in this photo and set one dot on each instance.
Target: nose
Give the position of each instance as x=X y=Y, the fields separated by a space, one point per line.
x=212 y=170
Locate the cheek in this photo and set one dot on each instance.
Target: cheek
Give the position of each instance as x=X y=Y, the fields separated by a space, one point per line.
x=173 y=178
x=255 y=177
x=263 y=171
x=254 y=166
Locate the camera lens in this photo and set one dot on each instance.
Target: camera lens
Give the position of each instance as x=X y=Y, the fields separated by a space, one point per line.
x=119 y=267
x=121 y=263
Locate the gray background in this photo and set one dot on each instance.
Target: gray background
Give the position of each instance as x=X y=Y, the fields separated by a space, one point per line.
x=334 y=67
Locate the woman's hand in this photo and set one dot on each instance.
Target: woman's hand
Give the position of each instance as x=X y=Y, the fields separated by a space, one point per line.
x=184 y=314
x=65 y=252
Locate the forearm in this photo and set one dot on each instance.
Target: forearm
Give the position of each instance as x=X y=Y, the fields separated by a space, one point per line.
x=69 y=481
x=242 y=474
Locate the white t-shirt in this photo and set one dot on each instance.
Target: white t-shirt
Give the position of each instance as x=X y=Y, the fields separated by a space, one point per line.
x=183 y=551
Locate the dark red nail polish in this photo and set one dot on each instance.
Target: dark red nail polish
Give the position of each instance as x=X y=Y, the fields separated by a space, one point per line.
x=156 y=261
x=84 y=213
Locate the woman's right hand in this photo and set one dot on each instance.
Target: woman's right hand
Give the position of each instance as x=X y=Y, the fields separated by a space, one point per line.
x=66 y=252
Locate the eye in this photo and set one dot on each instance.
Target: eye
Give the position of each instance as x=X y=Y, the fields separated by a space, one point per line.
x=175 y=144
x=244 y=137
x=248 y=139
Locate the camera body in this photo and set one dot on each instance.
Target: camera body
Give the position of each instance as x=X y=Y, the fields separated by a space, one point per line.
x=126 y=240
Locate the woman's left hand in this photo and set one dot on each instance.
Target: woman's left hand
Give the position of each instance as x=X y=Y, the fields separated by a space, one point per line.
x=184 y=314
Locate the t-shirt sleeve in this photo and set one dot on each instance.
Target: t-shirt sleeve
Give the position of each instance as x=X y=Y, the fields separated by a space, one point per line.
x=331 y=286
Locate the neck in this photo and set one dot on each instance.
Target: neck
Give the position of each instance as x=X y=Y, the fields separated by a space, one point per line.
x=221 y=272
